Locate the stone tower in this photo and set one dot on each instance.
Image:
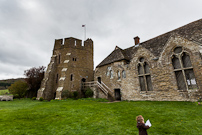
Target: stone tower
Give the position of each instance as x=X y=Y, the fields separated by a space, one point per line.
x=70 y=65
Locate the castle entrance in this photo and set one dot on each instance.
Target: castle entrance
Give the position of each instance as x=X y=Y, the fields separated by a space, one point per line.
x=117 y=94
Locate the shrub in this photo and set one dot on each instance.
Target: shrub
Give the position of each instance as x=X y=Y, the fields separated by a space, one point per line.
x=41 y=99
x=18 y=89
x=89 y=93
x=66 y=94
x=34 y=98
x=75 y=94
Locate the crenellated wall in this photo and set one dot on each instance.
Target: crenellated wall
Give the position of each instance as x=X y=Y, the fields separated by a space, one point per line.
x=72 y=63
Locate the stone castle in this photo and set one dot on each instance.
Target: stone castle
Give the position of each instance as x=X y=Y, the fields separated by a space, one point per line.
x=165 y=68
x=70 y=65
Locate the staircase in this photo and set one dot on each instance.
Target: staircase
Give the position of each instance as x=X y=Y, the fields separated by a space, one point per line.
x=101 y=86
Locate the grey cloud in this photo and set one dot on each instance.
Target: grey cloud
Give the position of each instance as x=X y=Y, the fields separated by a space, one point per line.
x=28 y=28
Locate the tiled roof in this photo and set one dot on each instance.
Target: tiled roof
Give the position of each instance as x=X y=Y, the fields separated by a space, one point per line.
x=191 y=31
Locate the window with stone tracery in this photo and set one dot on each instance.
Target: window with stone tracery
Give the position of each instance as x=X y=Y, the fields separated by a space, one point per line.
x=183 y=69
x=144 y=75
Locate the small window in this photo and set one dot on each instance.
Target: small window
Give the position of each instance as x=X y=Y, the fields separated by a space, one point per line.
x=71 y=78
x=74 y=59
x=111 y=74
x=123 y=74
x=119 y=75
x=108 y=71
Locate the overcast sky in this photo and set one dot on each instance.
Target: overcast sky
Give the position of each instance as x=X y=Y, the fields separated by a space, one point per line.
x=28 y=28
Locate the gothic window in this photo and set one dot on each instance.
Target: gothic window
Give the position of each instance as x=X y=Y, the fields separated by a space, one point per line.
x=111 y=74
x=144 y=75
x=123 y=74
x=119 y=75
x=108 y=71
x=183 y=69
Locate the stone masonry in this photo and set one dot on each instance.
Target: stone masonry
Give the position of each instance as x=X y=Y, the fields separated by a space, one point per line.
x=70 y=65
x=165 y=68
x=157 y=53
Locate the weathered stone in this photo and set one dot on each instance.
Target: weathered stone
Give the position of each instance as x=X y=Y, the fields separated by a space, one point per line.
x=70 y=64
x=158 y=53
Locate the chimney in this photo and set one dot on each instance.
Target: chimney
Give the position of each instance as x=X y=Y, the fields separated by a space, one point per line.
x=137 y=40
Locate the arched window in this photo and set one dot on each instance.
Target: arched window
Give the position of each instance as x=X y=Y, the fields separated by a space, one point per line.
x=123 y=74
x=111 y=74
x=119 y=75
x=144 y=75
x=108 y=71
x=183 y=69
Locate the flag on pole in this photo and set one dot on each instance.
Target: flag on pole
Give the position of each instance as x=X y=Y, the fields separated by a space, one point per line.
x=84 y=31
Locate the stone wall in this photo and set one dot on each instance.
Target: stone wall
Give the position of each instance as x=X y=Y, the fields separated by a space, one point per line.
x=72 y=63
x=163 y=78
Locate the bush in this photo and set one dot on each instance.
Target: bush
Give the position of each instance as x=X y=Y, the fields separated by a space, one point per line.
x=41 y=99
x=18 y=89
x=34 y=98
x=75 y=94
x=89 y=93
x=66 y=94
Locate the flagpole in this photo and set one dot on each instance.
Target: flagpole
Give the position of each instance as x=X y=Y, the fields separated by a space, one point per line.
x=84 y=31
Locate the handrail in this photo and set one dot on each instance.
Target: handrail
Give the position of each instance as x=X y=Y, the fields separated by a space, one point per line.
x=101 y=85
x=106 y=86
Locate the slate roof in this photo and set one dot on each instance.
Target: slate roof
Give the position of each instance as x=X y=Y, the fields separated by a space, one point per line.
x=191 y=31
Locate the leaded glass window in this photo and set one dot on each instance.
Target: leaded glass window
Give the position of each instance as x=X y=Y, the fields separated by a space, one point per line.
x=183 y=70
x=144 y=75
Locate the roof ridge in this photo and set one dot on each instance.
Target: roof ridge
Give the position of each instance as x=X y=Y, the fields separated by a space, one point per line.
x=169 y=32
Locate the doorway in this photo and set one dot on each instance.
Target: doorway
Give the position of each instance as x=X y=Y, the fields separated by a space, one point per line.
x=117 y=94
x=83 y=80
x=99 y=80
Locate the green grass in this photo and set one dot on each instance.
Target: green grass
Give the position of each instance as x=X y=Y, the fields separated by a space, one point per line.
x=86 y=117
x=3 y=92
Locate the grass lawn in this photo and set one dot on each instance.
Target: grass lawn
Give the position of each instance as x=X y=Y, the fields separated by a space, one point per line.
x=85 y=117
x=3 y=92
